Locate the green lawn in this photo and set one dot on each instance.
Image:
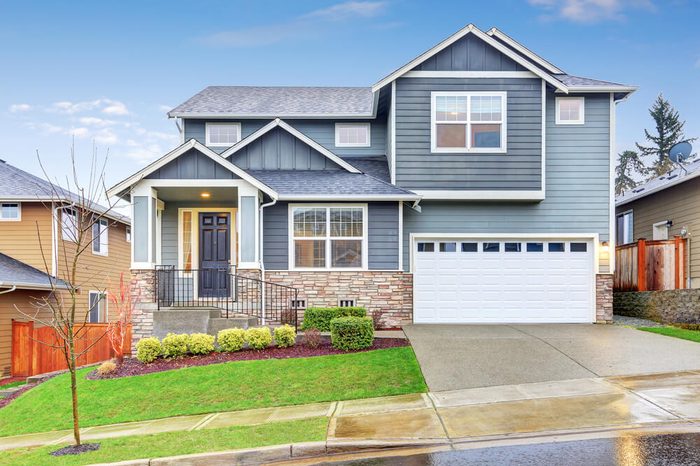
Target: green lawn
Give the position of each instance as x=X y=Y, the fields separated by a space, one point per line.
x=177 y=443
x=17 y=383
x=692 y=335
x=218 y=387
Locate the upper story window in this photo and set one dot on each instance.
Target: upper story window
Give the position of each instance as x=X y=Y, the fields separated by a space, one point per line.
x=625 y=228
x=69 y=224
x=468 y=122
x=352 y=134
x=328 y=237
x=570 y=111
x=222 y=134
x=10 y=211
x=100 y=237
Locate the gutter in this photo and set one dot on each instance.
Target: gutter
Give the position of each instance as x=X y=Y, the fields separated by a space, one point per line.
x=14 y=287
x=261 y=251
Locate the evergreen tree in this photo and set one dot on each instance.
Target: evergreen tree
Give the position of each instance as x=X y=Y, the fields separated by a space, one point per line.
x=628 y=165
x=669 y=131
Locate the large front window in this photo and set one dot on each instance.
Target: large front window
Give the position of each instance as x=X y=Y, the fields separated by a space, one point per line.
x=328 y=237
x=468 y=121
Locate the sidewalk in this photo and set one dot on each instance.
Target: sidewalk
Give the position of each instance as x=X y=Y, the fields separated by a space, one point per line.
x=440 y=417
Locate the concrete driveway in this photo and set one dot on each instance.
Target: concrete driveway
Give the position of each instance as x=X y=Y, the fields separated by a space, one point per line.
x=454 y=357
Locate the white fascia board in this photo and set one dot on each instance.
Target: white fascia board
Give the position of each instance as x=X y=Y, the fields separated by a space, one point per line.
x=359 y=197
x=494 y=32
x=262 y=116
x=470 y=74
x=470 y=29
x=491 y=195
x=597 y=89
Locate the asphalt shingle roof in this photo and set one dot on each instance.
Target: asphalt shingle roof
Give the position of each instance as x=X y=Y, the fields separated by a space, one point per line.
x=578 y=81
x=672 y=178
x=278 y=101
x=16 y=273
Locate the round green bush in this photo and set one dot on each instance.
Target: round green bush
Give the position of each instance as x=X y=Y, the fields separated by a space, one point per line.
x=352 y=333
x=200 y=343
x=231 y=339
x=148 y=349
x=175 y=345
x=320 y=317
x=258 y=338
x=285 y=336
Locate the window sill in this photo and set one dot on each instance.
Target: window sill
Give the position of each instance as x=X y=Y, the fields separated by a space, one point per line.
x=570 y=123
x=10 y=219
x=337 y=269
x=102 y=254
x=460 y=150
x=353 y=145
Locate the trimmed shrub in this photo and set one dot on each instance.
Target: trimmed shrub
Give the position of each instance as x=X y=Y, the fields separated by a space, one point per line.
x=148 y=349
x=200 y=343
x=231 y=339
x=175 y=345
x=106 y=368
x=258 y=338
x=285 y=336
x=352 y=333
x=320 y=317
x=312 y=338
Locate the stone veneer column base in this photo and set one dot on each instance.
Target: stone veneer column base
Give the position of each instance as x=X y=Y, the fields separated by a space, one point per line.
x=142 y=288
x=388 y=292
x=604 y=298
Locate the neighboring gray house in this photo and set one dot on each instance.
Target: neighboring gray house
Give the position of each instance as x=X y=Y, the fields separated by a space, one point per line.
x=471 y=185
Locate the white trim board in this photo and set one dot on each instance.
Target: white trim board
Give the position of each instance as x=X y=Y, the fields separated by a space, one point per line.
x=470 y=74
x=495 y=32
x=495 y=195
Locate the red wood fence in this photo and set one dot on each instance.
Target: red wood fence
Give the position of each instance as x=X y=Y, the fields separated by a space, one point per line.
x=663 y=265
x=32 y=355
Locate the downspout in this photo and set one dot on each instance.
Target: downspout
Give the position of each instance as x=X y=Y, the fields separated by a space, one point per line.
x=262 y=260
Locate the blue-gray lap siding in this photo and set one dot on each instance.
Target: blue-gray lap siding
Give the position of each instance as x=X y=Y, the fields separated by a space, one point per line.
x=469 y=54
x=577 y=188
x=518 y=169
x=321 y=131
x=383 y=232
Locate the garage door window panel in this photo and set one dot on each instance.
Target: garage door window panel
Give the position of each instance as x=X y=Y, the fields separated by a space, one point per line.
x=578 y=247
x=535 y=247
x=426 y=247
x=513 y=247
x=492 y=247
x=470 y=247
x=555 y=247
x=448 y=247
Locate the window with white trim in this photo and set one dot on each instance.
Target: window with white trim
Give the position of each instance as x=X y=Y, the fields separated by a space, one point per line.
x=352 y=134
x=570 y=110
x=468 y=121
x=325 y=237
x=69 y=225
x=222 y=134
x=97 y=302
x=10 y=211
x=625 y=228
x=100 y=237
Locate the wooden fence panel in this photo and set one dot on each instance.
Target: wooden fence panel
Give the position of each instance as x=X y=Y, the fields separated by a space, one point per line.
x=663 y=265
x=32 y=353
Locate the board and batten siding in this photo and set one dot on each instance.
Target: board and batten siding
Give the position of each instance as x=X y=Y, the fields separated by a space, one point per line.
x=192 y=165
x=321 y=131
x=383 y=240
x=518 y=169
x=681 y=205
x=577 y=189
x=469 y=54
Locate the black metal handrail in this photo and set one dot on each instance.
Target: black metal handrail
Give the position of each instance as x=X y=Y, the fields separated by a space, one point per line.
x=225 y=289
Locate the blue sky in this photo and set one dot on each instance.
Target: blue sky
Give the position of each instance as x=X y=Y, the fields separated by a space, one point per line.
x=106 y=73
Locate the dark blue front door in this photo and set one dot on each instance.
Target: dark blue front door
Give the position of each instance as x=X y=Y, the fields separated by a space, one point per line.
x=214 y=254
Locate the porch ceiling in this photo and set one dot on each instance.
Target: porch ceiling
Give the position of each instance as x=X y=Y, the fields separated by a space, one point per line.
x=216 y=194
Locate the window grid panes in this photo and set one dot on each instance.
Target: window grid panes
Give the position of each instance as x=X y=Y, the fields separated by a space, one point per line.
x=570 y=110
x=9 y=211
x=328 y=237
x=468 y=122
x=352 y=134
x=223 y=134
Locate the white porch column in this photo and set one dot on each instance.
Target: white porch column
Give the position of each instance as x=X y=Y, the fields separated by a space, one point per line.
x=144 y=205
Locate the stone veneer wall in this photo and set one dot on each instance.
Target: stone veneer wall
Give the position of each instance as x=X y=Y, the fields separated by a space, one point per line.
x=142 y=288
x=388 y=292
x=604 y=298
x=669 y=306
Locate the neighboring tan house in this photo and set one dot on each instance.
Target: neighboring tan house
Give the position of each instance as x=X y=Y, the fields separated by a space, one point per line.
x=471 y=185
x=662 y=208
x=35 y=247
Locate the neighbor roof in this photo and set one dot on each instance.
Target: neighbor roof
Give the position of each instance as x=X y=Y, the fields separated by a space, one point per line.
x=24 y=276
x=672 y=178
x=19 y=185
x=220 y=101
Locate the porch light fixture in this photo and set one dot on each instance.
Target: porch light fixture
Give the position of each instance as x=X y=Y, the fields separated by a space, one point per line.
x=605 y=247
x=205 y=195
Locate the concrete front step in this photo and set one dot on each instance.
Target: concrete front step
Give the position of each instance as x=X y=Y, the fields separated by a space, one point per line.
x=200 y=320
x=221 y=323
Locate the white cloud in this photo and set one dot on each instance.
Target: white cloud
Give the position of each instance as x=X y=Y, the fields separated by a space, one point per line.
x=590 y=11
x=114 y=107
x=95 y=121
x=302 y=26
x=106 y=136
x=108 y=106
x=16 y=108
x=81 y=132
x=145 y=153
x=46 y=128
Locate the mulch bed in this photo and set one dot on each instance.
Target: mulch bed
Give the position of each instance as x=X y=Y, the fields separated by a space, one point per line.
x=132 y=366
x=76 y=449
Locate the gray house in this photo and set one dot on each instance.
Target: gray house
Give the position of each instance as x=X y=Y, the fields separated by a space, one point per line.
x=471 y=185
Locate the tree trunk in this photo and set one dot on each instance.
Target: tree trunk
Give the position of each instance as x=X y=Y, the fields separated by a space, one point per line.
x=74 y=389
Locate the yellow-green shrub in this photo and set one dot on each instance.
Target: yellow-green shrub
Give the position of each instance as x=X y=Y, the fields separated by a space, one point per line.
x=200 y=343
x=285 y=336
x=231 y=339
x=175 y=345
x=148 y=349
x=258 y=338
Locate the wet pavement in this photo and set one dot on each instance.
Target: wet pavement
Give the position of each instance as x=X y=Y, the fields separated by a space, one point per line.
x=630 y=449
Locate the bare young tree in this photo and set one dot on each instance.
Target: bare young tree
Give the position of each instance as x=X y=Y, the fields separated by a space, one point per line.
x=81 y=218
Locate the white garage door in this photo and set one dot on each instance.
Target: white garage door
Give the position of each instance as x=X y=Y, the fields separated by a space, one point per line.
x=503 y=280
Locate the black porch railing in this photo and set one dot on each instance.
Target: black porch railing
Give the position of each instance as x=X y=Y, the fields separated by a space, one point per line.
x=228 y=291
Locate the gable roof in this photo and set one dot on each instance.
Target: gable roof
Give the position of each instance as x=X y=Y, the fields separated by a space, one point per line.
x=294 y=132
x=655 y=185
x=471 y=29
x=524 y=51
x=19 y=185
x=271 y=102
x=122 y=186
x=14 y=273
